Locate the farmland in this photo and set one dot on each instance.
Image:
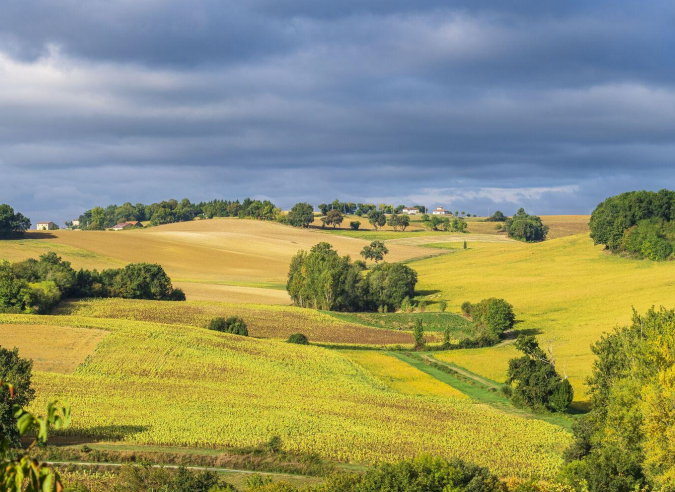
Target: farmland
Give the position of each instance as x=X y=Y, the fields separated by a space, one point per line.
x=170 y=384
x=263 y=321
x=355 y=394
x=202 y=257
x=565 y=290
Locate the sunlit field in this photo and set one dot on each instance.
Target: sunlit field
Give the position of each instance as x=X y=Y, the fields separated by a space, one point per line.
x=200 y=256
x=566 y=290
x=170 y=384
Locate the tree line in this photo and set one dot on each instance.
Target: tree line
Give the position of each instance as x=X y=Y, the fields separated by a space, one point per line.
x=636 y=223
x=37 y=286
x=171 y=211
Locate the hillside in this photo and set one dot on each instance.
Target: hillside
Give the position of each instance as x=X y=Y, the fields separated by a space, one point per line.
x=229 y=260
x=566 y=290
x=151 y=383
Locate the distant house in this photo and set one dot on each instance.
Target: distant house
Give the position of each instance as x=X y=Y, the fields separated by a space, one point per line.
x=411 y=210
x=46 y=226
x=126 y=225
x=75 y=223
x=440 y=211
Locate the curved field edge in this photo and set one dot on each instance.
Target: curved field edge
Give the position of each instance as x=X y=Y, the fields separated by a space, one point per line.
x=162 y=384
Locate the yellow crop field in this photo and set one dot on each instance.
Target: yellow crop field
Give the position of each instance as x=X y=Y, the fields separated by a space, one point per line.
x=263 y=321
x=52 y=348
x=401 y=376
x=566 y=290
x=162 y=384
x=218 y=251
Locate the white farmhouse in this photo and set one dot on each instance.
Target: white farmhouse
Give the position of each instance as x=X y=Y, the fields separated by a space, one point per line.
x=411 y=210
x=440 y=211
x=46 y=226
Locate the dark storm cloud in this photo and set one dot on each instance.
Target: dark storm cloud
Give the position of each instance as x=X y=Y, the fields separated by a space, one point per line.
x=553 y=105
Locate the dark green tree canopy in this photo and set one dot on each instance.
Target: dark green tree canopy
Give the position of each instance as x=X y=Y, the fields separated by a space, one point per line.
x=301 y=215
x=12 y=225
x=525 y=227
x=498 y=216
x=375 y=251
x=377 y=218
x=640 y=223
x=18 y=372
x=536 y=384
x=322 y=279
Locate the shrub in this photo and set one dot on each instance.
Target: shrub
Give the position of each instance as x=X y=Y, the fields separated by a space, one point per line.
x=355 y=224
x=233 y=325
x=298 y=338
x=406 y=305
x=418 y=333
x=493 y=315
x=443 y=305
x=422 y=305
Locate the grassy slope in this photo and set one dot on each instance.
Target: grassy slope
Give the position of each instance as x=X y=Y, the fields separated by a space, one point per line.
x=566 y=289
x=150 y=383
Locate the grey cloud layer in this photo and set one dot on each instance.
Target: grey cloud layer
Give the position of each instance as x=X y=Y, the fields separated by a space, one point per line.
x=472 y=103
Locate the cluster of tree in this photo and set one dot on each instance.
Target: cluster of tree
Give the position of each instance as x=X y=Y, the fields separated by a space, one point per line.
x=363 y=209
x=525 y=227
x=491 y=318
x=322 y=279
x=640 y=223
x=533 y=382
x=171 y=211
x=12 y=225
x=435 y=223
x=497 y=217
x=626 y=442
x=37 y=286
x=234 y=325
x=397 y=222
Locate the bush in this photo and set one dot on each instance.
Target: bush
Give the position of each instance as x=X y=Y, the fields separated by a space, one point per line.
x=233 y=325
x=299 y=339
x=355 y=224
x=466 y=308
x=494 y=315
x=406 y=305
x=525 y=227
x=443 y=305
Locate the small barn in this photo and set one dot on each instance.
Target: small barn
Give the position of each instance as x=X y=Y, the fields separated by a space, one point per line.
x=46 y=226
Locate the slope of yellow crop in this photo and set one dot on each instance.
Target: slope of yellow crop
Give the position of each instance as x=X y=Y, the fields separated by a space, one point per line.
x=400 y=376
x=566 y=290
x=263 y=321
x=150 y=383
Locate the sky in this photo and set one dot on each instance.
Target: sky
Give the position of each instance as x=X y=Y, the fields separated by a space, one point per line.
x=475 y=105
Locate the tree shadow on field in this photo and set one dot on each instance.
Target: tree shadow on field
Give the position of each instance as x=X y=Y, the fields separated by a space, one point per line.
x=421 y=293
x=513 y=334
x=36 y=235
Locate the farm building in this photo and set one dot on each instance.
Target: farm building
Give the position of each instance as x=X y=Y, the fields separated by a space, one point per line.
x=440 y=211
x=46 y=226
x=127 y=225
x=411 y=210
